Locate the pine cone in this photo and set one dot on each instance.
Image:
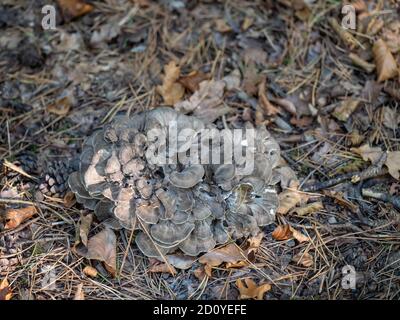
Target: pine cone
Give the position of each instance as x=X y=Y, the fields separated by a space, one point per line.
x=54 y=179
x=187 y=206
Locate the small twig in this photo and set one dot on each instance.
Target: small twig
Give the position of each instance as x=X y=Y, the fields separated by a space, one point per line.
x=395 y=201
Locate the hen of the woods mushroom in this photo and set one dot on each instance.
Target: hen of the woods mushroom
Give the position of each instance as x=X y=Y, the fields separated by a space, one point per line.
x=135 y=174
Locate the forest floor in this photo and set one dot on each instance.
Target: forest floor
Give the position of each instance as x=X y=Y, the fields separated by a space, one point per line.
x=330 y=96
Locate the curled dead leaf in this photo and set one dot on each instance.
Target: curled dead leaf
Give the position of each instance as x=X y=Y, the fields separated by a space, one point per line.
x=14 y=217
x=69 y=199
x=79 y=294
x=72 y=9
x=393 y=164
x=90 y=271
x=180 y=261
x=305 y=259
x=267 y=106
x=161 y=267
x=286 y=232
x=171 y=90
x=230 y=253
x=309 y=208
x=346 y=109
x=385 y=63
x=61 y=107
x=289 y=198
x=368 y=153
x=82 y=230
x=250 y=290
x=5 y=290
x=192 y=80
x=103 y=247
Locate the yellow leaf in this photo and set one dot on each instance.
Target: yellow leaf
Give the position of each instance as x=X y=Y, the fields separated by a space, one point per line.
x=250 y=290
x=385 y=63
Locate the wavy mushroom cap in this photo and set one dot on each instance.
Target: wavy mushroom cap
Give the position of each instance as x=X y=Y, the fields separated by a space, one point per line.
x=183 y=206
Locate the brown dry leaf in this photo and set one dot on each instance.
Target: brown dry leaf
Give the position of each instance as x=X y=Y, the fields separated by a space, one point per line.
x=309 y=208
x=286 y=232
x=158 y=267
x=90 y=271
x=303 y=122
x=392 y=40
x=268 y=107
x=289 y=198
x=103 y=247
x=375 y=25
x=171 y=90
x=14 y=217
x=345 y=109
x=249 y=252
x=180 y=261
x=72 y=9
x=305 y=259
x=368 y=153
x=222 y=26
x=230 y=254
x=61 y=107
x=250 y=290
x=69 y=199
x=193 y=79
x=83 y=229
x=200 y=273
x=385 y=63
x=5 y=291
x=338 y=196
x=393 y=163
x=79 y=294
x=391 y=118
x=206 y=103
x=251 y=79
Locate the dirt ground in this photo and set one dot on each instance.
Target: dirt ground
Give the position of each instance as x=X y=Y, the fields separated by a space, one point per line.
x=329 y=96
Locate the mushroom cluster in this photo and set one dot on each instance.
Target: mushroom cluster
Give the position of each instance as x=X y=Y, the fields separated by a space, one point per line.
x=179 y=203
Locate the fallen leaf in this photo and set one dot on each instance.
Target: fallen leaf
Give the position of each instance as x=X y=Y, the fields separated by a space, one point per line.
x=61 y=107
x=303 y=122
x=346 y=109
x=247 y=23
x=69 y=199
x=5 y=291
x=192 y=80
x=391 y=118
x=90 y=271
x=171 y=90
x=206 y=103
x=249 y=252
x=232 y=80
x=251 y=79
x=230 y=253
x=79 y=295
x=102 y=247
x=106 y=33
x=72 y=9
x=250 y=290
x=393 y=163
x=161 y=267
x=305 y=259
x=309 y=208
x=288 y=199
x=368 y=153
x=222 y=26
x=282 y=232
x=392 y=40
x=83 y=229
x=385 y=63
x=199 y=273
x=286 y=232
x=268 y=107
x=340 y=200
x=180 y=261
x=14 y=217
x=288 y=177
